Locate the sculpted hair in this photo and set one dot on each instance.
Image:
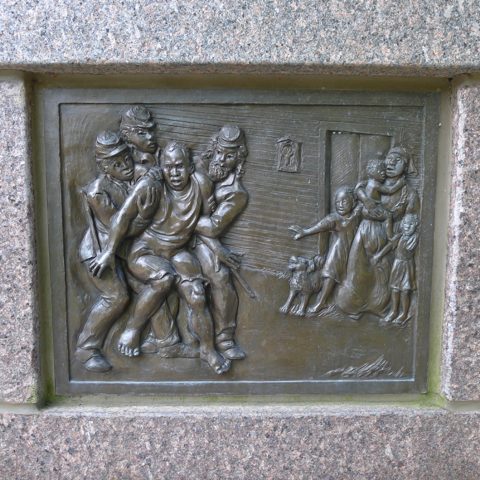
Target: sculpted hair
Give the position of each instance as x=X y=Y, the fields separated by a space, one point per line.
x=347 y=190
x=124 y=131
x=174 y=145
x=373 y=165
x=410 y=216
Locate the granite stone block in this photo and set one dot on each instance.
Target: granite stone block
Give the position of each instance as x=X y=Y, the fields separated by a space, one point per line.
x=461 y=342
x=241 y=443
x=17 y=306
x=298 y=36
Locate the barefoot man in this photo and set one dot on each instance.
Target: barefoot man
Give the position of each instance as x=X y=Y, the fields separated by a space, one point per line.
x=159 y=257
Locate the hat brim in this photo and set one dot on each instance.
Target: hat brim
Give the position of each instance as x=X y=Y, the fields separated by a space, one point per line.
x=112 y=153
x=137 y=124
x=225 y=144
x=144 y=125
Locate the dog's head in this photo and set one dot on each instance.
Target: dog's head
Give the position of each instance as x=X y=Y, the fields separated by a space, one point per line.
x=300 y=264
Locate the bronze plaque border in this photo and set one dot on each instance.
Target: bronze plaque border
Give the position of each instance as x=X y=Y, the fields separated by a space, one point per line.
x=49 y=101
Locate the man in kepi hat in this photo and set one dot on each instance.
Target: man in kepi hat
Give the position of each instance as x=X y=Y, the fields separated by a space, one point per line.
x=159 y=257
x=102 y=198
x=137 y=128
x=223 y=160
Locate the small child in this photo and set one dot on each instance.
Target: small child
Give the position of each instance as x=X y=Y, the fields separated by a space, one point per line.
x=342 y=224
x=369 y=192
x=377 y=173
x=402 y=276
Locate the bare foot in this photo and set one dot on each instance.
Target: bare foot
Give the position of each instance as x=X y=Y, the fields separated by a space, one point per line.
x=388 y=319
x=217 y=362
x=129 y=342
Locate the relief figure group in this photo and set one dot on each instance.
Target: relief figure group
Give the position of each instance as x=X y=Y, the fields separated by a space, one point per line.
x=155 y=221
x=373 y=234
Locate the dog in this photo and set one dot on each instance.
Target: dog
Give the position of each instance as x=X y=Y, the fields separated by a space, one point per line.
x=305 y=279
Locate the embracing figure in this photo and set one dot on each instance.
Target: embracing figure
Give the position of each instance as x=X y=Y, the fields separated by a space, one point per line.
x=373 y=226
x=102 y=199
x=221 y=167
x=159 y=257
x=366 y=286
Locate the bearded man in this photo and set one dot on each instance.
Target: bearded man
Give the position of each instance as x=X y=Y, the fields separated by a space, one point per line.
x=224 y=160
x=159 y=257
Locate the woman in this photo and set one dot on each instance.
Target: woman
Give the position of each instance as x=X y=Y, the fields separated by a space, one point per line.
x=365 y=288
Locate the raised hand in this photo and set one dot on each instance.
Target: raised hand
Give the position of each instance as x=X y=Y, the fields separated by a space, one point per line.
x=148 y=206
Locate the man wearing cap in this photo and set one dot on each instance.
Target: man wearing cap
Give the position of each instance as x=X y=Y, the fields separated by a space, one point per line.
x=137 y=129
x=102 y=198
x=223 y=160
x=159 y=257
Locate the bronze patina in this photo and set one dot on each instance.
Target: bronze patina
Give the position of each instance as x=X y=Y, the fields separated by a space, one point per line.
x=239 y=242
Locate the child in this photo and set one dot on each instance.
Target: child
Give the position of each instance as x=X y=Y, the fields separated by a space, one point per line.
x=402 y=276
x=377 y=173
x=342 y=224
x=369 y=192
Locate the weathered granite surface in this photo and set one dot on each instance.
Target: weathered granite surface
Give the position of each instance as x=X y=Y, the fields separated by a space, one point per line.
x=461 y=342
x=342 y=36
x=18 y=336
x=241 y=443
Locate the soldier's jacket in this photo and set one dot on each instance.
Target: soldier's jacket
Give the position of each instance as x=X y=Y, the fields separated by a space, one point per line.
x=231 y=198
x=102 y=199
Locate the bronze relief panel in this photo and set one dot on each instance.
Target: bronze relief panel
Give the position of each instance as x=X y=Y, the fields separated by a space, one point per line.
x=239 y=241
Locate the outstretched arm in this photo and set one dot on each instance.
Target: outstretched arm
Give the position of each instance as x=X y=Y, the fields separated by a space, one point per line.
x=327 y=224
x=387 y=248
